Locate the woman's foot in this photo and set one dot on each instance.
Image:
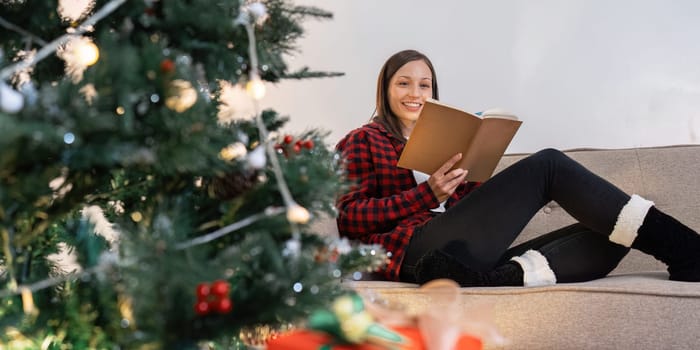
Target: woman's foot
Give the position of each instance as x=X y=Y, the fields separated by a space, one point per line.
x=438 y=264
x=686 y=272
x=642 y=226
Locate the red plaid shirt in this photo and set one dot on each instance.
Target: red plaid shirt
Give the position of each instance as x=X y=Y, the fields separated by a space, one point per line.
x=384 y=205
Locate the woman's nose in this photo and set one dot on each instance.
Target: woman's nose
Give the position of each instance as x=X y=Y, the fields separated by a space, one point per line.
x=414 y=91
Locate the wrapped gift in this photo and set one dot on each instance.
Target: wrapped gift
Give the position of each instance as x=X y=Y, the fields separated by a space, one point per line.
x=354 y=322
x=307 y=340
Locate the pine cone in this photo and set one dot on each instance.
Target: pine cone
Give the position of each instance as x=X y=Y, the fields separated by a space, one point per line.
x=232 y=185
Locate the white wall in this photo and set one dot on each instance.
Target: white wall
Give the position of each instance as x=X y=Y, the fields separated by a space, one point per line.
x=580 y=73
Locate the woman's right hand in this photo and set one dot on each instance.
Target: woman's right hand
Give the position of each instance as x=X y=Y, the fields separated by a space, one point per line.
x=444 y=181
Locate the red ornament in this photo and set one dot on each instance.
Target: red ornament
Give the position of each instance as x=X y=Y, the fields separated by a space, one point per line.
x=309 y=144
x=222 y=306
x=201 y=308
x=213 y=298
x=297 y=147
x=167 y=66
x=288 y=139
x=220 y=288
x=203 y=291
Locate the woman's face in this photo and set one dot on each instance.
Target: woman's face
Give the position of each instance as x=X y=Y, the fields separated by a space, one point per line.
x=408 y=89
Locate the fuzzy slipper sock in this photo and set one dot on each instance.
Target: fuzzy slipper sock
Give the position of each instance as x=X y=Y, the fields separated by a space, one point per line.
x=640 y=225
x=673 y=243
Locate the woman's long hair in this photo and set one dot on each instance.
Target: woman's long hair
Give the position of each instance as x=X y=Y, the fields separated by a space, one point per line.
x=383 y=113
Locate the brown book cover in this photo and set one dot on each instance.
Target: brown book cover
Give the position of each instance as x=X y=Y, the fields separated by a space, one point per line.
x=443 y=131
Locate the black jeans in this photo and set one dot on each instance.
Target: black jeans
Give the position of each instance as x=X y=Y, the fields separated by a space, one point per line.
x=488 y=220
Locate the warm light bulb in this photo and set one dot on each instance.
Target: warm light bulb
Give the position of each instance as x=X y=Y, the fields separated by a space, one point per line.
x=298 y=214
x=136 y=216
x=256 y=88
x=86 y=53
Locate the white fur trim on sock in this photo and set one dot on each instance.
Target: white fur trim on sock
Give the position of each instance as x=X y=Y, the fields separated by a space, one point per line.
x=629 y=220
x=536 y=270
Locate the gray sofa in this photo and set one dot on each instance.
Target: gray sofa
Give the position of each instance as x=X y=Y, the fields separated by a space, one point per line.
x=636 y=307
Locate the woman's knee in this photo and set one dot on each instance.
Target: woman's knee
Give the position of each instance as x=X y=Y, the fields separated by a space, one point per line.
x=550 y=153
x=550 y=156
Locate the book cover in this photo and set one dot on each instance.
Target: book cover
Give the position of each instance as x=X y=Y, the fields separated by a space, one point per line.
x=443 y=131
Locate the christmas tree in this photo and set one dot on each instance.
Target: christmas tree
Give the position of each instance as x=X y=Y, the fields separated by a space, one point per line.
x=145 y=201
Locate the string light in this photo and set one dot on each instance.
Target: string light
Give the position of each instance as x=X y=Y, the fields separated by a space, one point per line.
x=136 y=216
x=78 y=53
x=234 y=103
x=86 y=52
x=256 y=88
x=298 y=214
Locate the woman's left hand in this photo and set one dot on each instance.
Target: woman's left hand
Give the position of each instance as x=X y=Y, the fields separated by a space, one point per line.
x=444 y=181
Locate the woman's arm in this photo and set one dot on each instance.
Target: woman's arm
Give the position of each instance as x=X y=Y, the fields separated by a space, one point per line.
x=363 y=210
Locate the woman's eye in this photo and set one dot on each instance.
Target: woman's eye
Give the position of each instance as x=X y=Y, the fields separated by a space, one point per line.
x=425 y=86
x=402 y=83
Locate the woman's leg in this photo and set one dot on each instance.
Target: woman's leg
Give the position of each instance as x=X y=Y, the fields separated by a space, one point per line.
x=482 y=225
x=570 y=254
x=489 y=219
x=575 y=253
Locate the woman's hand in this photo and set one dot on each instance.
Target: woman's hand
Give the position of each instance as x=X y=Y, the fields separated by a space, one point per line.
x=444 y=181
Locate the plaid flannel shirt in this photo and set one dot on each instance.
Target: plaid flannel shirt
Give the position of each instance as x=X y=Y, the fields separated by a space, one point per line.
x=384 y=205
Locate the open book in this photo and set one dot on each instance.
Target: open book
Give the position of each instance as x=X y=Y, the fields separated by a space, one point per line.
x=443 y=131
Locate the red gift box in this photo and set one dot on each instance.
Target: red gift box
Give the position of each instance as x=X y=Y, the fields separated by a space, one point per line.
x=305 y=340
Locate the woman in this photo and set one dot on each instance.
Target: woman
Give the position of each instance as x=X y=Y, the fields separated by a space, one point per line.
x=438 y=226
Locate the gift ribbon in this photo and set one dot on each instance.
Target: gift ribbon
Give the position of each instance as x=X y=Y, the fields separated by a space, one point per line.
x=350 y=323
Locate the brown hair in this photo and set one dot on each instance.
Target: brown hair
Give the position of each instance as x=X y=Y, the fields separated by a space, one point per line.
x=383 y=113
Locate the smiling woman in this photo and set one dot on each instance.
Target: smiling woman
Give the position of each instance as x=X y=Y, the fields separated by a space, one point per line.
x=405 y=81
x=410 y=86
x=439 y=226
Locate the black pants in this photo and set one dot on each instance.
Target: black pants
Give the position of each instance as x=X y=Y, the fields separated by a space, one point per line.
x=488 y=220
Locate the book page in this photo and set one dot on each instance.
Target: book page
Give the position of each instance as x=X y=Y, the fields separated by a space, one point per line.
x=500 y=116
x=498 y=113
x=440 y=132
